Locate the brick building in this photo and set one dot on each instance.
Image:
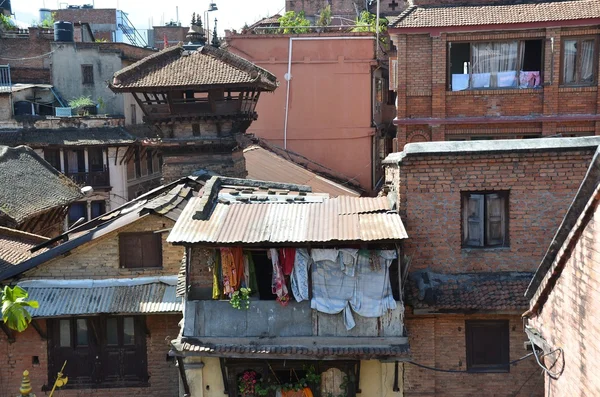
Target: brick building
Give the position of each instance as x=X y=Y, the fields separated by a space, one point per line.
x=174 y=34
x=346 y=8
x=103 y=21
x=494 y=70
x=562 y=318
x=479 y=216
x=108 y=305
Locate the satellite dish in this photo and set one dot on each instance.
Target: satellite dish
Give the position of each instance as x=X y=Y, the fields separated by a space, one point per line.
x=87 y=191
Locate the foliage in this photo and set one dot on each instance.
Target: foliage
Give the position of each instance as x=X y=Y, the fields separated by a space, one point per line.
x=100 y=40
x=250 y=385
x=366 y=23
x=14 y=308
x=325 y=16
x=294 y=22
x=239 y=299
x=6 y=23
x=48 y=22
x=81 y=102
x=100 y=102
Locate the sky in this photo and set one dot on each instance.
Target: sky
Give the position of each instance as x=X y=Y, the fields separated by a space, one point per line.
x=232 y=14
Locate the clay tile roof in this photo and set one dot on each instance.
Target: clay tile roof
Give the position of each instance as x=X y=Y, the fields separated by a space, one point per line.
x=527 y=12
x=30 y=186
x=66 y=137
x=268 y=21
x=498 y=291
x=176 y=67
x=15 y=246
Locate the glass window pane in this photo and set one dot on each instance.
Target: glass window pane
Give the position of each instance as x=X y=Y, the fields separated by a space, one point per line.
x=569 y=61
x=128 y=331
x=112 y=333
x=587 y=61
x=82 y=332
x=65 y=333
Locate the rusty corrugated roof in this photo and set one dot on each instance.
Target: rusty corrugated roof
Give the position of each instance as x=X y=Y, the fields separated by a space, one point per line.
x=145 y=295
x=265 y=216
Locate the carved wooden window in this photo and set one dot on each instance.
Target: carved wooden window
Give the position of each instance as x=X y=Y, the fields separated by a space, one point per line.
x=485 y=219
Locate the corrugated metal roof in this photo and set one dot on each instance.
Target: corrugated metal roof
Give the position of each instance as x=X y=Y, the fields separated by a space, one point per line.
x=347 y=219
x=86 y=297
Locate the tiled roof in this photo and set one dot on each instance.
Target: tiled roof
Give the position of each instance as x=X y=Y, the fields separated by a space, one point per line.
x=233 y=211
x=265 y=165
x=522 y=12
x=267 y=349
x=144 y=295
x=268 y=22
x=15 y=246
x=175 y=67
x=30 y=186
x=498 y=291
x=66 y=137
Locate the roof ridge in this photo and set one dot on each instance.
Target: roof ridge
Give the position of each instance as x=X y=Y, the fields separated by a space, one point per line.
x=166 y=53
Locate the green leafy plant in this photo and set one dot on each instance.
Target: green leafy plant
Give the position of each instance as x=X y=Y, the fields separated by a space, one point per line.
x=366 y=23
x=101 y=103
x=294 y=22
x=325 y=16
x=14 y=308
x=6 y=23
x=260 y=387
x=81 y=102
x=48 y=22
x=240 y=299
x=100 y=40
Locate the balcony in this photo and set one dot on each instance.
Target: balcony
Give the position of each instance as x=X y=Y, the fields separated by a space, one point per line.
x=92 y=178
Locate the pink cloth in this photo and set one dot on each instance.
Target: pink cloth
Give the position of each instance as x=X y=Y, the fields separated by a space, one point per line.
x=278 y=281
x=529 y=79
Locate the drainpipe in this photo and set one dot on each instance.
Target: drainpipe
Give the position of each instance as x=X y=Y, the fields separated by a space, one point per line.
x=288 y=75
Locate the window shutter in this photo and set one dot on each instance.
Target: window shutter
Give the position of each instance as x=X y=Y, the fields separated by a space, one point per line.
x=495 y=219
x=130 y=250
x=151 y=249
x=473 y=220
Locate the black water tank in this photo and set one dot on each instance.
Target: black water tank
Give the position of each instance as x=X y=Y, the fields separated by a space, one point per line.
x=63 y=31
x=22 y=108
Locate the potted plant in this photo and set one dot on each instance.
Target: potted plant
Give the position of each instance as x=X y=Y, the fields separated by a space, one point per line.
x=84 y=106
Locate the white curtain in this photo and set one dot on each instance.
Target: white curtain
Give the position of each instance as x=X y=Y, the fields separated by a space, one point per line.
x=569 y=61
x=496 y=59
x=587 y=61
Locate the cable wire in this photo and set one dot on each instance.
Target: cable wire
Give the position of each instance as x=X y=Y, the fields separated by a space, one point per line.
x=461 y=371
x=25 y=59
x=553 y=375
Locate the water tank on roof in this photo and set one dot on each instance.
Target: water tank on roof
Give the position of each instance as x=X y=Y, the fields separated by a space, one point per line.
x=63 y=31
x=23 y=108
x=45 y=14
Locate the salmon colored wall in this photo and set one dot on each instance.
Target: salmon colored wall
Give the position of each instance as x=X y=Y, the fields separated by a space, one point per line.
x=330 y=99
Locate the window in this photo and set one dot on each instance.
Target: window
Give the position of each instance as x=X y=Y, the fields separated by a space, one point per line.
x=76 y=212
x=487 y=346
x=53 y=157
x=149 y=162
x=133 y=114
x=196 y=129
x=579 y=61
x=138 y=250
x=99 y=351
x=485 y=218
x=87 y=74
x=495 y=64
x=95 y=159
x=98 y=208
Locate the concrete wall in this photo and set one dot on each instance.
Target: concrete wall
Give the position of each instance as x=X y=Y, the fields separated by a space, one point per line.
x=6 y=107
x=376 y=378
x=569 y=318
x=67 y=74
x=423 y=90
x=330 y=99
x=18 y=357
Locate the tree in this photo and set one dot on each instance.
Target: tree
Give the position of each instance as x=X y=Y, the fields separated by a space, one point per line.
x=14 y=308
x=293 y=22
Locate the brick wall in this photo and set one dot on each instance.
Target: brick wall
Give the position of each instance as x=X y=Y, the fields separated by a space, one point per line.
x=100 y=258
x=176 y=166
x=423 y=90
x=103 y=22
x=18 y=356
x=541 y=187
x=201 y=275
x=569 y=318
x=16 y=47
x=174 y=34
x=439 y=341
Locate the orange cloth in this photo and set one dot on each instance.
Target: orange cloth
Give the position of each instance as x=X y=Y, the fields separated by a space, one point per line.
x=292 y=393
x=232 y=267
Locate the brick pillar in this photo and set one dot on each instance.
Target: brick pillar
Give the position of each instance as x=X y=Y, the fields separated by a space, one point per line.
x=438 y=85
x=551 y=79
x=401 y=102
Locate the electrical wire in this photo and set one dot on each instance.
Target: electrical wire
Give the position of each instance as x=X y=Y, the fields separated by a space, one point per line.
x=461 y=371
x=553 y=375
x=25 y=59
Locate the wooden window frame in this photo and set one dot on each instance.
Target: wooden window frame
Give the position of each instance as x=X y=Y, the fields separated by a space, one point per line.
x=520 y=43
x=595 y=67
x=122 y=247
x=87 y=74
x=505 y=194
x=95 y=354
x=501 y=367
x=55 y=151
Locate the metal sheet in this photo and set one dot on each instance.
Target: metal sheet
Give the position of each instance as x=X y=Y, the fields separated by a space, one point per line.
x=138 y=299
